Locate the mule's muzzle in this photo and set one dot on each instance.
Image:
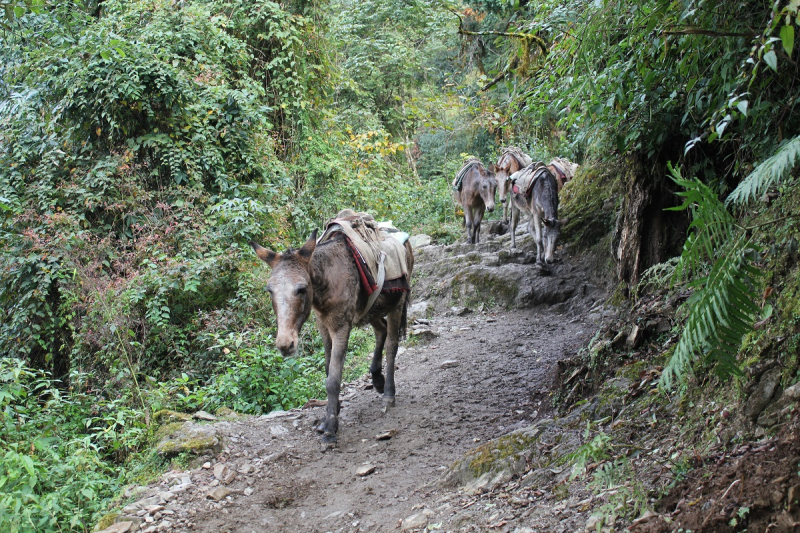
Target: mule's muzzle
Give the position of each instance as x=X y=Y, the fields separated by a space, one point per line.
x=502 y=200
x=287 y=347
x=490 y=208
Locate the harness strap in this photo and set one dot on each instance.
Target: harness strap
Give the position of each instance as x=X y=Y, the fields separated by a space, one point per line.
x=379 y=283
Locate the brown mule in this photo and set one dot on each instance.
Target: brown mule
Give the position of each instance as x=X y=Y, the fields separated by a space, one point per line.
x=474 y=189
x=325 y=278
x=511 y=160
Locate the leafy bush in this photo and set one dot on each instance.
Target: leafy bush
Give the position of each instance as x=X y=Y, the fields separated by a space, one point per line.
x=58 y=469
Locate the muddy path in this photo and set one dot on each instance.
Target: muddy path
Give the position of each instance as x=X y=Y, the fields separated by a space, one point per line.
x=484 y=375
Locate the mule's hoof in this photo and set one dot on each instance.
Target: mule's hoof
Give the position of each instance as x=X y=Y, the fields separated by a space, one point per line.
x=320 y=428
x=388 y=403
x=329 y=439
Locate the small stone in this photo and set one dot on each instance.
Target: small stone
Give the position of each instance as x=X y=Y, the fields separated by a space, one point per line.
x=207 y=465
x=365 y=470
x=248 y=491
x=415 y=521
x=220 y=471
x=591 y=524
x=450 y=363
x=151 y=529
x=202 y=415
x=277 y=431
x=167 y=496
x=386 y=435
x=245 y=469
x=218 y=493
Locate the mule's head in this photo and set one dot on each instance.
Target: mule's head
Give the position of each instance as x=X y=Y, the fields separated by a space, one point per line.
x=488 y=187
x=291 y=290
x=550 y=232
x=506 y=165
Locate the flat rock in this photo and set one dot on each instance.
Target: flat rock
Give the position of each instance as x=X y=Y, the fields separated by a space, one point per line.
x=277 y=431
x=386 y=435
x=450 y=363
x=119 y=527
x=365 y=470
x=415 y=521
x=202 y=415
x=224 y=474
x=418 y=241
x=218 y=493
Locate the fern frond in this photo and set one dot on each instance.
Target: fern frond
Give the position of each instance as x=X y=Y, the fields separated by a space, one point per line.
x=721 y=314
x=768 y=173
x=712 y=226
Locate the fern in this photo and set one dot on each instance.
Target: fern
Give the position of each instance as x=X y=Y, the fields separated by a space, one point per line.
x=766 y=174
x=718 y=259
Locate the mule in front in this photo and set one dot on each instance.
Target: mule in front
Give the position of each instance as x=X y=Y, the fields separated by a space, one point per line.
x=334 y=279
x=535 y=193
x=473 y=189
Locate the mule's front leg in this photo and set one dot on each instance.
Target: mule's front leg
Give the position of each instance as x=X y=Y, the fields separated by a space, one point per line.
x=535 y=228
x=514 y=222
x=477 y=217
x=376 y=368
x=333 y=385
x=468 y=223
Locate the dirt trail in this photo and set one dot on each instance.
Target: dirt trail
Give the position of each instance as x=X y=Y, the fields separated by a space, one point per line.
x=476 y=376
x=483 y=376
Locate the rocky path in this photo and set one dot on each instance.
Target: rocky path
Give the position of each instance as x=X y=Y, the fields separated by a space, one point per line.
x=468 y=378
x=482 y=376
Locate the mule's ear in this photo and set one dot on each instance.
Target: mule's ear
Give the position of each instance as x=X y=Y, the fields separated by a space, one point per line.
x=493 y=168
x=268 y=256
x=308 y=248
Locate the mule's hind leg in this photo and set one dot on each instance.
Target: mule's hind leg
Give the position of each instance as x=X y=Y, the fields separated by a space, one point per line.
x=392 y=341
x=378 y=381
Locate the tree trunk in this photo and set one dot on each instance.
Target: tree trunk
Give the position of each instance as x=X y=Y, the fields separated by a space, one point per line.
x=645 y=233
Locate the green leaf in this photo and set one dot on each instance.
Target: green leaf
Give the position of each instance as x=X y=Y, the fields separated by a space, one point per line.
x=742 y=107
x=787 y=38
x=771 y=59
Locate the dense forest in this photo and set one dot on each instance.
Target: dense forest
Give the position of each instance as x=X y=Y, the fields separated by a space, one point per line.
x=144 y=143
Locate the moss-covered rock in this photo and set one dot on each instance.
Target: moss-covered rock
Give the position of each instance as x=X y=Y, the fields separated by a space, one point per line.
x=166 y=416
x=494 y=462
x=189 y=437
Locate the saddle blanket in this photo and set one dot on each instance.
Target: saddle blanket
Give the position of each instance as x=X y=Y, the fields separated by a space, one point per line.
x=367 y=239
x=565 y=169
x=468 y=164
x=522 y=181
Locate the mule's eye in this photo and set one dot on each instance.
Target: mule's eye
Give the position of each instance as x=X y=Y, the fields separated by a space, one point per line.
x=269 y=290
x=301 y=289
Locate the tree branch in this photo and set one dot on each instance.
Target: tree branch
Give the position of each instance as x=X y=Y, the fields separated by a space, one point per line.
x=710 y=33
